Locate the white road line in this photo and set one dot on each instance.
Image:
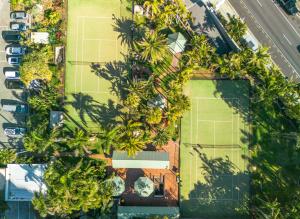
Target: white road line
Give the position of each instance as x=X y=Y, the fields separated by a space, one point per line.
x=287 y=20
x=259 y=3
x=290 y=65
x=287 y=39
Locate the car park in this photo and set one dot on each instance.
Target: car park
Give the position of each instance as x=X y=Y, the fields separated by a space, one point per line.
x=15 y=131
x=15 y=50
x=18 y=26
x=14 y=84
x=16 y=108
x=12 y=74
x=18 y=15
x=14 y=60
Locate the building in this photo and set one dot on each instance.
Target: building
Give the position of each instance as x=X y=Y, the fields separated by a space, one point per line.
x=142 y=160
x=40 y=37
x=23 y=180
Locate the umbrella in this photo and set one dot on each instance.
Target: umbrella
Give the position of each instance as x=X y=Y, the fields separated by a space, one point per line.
x=144 y=186
x=176 y=42
x=118 y=185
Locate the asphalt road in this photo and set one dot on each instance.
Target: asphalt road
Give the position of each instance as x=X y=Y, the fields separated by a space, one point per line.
x=274 y=28
x=6 y=95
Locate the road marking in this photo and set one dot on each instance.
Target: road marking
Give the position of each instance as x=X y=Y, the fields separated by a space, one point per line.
x=268 y=36
x=287 y=20
x=287 y=39
x=259 y=3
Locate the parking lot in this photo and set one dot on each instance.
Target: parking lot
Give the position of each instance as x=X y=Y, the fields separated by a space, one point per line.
x=8 y=119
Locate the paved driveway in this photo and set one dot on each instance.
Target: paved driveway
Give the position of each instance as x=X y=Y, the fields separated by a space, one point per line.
x=7 y=118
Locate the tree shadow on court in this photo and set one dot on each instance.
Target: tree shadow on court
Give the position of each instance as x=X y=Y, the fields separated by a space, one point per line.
x=125 y=28
x=90 y=109
x=222 y=191
x=230 y=90
x=116 y=73
x=274 y=161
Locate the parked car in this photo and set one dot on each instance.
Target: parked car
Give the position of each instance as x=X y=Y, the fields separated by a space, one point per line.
x=14 y=84
x=18 y=15
x=12 y=74
x=16 y=108
x=298 y=48
x=18 y=26
x=12 y=37
x=15 y=50
x=17 y=132
x=14 y=60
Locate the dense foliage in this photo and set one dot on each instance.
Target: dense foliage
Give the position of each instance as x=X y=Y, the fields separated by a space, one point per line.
x=74 y=185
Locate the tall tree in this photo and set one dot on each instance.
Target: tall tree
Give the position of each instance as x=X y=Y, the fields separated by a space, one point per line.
x=153 y=47
x=74 y=185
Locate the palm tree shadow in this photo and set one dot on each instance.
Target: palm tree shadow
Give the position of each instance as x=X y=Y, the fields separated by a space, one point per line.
x=223 y=188
x=124 y=27
x=84 y=105
x=116 y=73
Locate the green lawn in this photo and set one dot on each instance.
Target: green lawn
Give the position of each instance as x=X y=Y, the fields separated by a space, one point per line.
x=91 y=40
x=214 y=140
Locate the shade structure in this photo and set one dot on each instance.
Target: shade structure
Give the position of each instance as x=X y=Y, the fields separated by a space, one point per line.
x=144 y=186
x=118 y=185
x=176 y=42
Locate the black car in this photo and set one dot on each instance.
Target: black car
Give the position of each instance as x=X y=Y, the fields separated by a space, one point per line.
x=14 y=84
x=12 y=37
x=298 y=48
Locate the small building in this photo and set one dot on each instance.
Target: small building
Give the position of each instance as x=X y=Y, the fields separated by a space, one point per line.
x=176 y=42
x=56 y=119
x=142 y=160
x=130 y=212
x=158 y=101
x=40 y=37
x=23 y=180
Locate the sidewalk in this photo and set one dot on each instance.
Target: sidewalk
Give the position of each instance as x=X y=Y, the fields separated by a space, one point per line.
x=225 y=8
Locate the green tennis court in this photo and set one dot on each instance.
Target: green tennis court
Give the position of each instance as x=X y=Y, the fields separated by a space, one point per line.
x=214 y=141
x=91 y=41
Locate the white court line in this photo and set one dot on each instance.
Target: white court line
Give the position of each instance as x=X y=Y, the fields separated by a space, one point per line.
x=214 y=98
x=203 y=120
x=82 y=52
x=259 y=3
x=95 y=92
x=77 y=30
x=190 y=149
x=197 y=139
x=98 y=39
x=96 y=17
x=287 y=39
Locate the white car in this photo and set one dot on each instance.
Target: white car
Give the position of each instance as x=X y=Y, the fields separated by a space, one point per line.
x=14 y=60
x=15 y=50
x=18 y=15
x=12 y=74
x=17 y=132
x=18 y=26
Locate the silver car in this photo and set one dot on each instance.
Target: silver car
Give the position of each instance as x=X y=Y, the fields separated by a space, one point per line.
x=14 y=60
x=18 y=26
x=16 y=132
x=18 y=15
x=12 y=74
x=15 y=50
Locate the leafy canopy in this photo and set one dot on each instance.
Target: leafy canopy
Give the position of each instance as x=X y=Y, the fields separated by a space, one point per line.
x=73 y=185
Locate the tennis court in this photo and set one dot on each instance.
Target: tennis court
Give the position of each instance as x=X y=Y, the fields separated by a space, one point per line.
x=214 y=177
x=91 y=41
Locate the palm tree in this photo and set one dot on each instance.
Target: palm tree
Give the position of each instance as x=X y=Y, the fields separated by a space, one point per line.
x=106 y=139
x=260 y=58
x=153 y=47
x=132 y=145
x=153 y=6
x=236 y=28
